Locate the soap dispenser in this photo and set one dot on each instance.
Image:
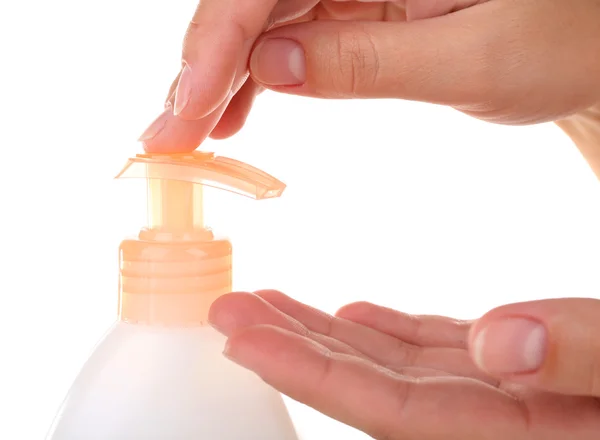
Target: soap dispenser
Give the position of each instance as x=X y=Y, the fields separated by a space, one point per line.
x=159 y=372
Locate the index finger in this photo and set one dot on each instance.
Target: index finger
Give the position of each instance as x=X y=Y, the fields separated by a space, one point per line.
x=215 y=53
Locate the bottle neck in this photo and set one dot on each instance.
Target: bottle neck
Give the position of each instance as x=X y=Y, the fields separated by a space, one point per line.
x=172 y=283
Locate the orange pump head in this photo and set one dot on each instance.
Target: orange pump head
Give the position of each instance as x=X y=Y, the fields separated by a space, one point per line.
x=175 y=269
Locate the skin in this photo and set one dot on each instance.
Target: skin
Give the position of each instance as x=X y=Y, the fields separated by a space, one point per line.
x=396 y=376
x=502 y=61
x=392 y=375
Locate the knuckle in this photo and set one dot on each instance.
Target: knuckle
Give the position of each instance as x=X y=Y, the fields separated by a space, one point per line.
x=328 y=327
x=415 y=327
x=356 y=63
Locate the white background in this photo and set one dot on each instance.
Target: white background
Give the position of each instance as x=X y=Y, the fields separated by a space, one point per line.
x=412 y=206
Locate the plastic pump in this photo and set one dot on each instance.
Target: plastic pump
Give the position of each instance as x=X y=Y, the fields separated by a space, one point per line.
x=159 y=372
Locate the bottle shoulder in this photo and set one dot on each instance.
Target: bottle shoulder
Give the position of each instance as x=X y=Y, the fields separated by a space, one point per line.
x=163 y=383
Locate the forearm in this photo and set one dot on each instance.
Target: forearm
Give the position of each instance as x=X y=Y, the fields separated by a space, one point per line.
x=584 y=129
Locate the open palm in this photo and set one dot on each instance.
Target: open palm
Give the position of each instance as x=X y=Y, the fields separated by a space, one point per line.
x=391 y=375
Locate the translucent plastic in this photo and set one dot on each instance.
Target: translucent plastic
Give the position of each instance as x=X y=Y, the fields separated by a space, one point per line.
x=205 y=169
x=176 y=269
x=173 y=283
x=175 y=205
x=157 y=383
x=160 y=374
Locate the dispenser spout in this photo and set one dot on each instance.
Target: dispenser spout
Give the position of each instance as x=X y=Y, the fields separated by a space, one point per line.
x=176 y=268
x=205 y=169
x=175 y=193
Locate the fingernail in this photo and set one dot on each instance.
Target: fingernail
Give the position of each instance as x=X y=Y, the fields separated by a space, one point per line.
x=183 y=93
x=279 y=62
x=158 y=124
x=511 y=346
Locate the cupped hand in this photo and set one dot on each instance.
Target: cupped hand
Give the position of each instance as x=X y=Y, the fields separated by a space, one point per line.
x=213 y=93
x=527 y=371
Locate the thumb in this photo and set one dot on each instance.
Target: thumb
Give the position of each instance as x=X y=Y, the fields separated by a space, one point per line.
x=408 y=60
x=514 y=62
x=551 y=344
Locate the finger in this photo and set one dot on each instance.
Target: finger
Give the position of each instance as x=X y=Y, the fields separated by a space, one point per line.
x=241 y=309
x=216 y=50
x=213 y=47
x=379 y=402
x=237 y=111
x=471 y=60
x=382 y=348
x=415 y=61
x=171 y=134
x=238 y=310
x=425 y=331
x=550 y=344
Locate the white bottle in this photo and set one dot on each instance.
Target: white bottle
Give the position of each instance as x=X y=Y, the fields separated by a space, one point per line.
x=159 y=373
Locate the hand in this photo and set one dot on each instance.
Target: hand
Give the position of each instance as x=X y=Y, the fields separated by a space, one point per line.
x=213 y=94
x=395 y=376
x=504 y=61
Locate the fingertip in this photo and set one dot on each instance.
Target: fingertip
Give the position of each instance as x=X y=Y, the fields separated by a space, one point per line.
x=241 y=347
x=243 y=309
x=230 y=299
x=514 y=345
x=171 y=134
x=354 y=310
x=544 y=344
x=224 y=311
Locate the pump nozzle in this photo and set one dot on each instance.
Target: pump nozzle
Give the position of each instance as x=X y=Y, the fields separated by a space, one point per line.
x=175 y=200
x=176 y=268
x=205 y=169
